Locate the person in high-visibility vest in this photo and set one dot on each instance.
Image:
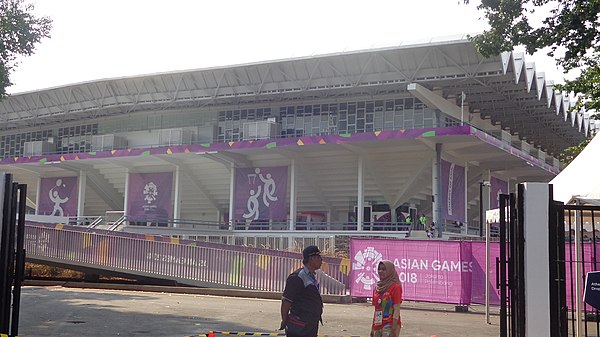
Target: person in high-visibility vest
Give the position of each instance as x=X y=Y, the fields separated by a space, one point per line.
x=423 y=222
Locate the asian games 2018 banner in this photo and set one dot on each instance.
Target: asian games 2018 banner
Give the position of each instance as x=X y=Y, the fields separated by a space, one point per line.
x=428 y=270
x=58 y=196
x=453 y=192
x=149 y=195
x=497 y=187
x=260 y=193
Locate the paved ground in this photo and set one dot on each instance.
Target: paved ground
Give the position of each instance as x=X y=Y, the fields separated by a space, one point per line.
x=58 y=311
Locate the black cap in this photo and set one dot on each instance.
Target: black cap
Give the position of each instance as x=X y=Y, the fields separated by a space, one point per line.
x=310 y=251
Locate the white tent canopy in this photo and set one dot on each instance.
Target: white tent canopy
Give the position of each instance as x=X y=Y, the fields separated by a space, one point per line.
x=579 y=180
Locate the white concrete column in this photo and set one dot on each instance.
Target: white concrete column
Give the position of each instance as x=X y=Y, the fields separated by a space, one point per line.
x=436 y=182
x=37 y=195
x=360 y=209
x=231 y=195
x=536 y=256
x=177 y=196
x=126 y=196
x=293 y=211
x=81 y=193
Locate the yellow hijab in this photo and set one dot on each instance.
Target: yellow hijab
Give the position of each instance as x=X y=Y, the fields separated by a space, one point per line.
x=385 y=283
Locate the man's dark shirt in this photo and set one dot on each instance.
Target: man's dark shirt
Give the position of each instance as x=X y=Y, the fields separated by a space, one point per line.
x=302 y=291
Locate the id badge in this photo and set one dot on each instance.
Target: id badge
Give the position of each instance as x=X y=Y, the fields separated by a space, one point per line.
x=378 y=317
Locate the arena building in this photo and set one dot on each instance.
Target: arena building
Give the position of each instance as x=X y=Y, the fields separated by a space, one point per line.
x=354 y=140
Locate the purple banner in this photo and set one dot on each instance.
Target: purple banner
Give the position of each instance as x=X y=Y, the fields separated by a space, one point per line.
x=57 y=196
x=497 y=187
x=260 y=193
x=429 y=270
x=453 y=192
x=149 y=195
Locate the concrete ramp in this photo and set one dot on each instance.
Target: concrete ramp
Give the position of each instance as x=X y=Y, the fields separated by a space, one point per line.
x=187 y=262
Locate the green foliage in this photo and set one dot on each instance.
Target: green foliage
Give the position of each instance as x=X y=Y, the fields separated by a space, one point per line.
x=572 y=24
x=20 y=31
x=571 y=152
x=571 y=31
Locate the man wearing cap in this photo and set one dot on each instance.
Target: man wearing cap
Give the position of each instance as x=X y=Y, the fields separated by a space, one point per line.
x=301 y=303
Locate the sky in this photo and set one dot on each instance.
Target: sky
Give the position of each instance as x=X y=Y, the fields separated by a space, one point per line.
x=93 y=39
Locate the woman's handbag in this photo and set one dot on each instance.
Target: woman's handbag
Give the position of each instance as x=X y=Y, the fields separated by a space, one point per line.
x=296 y=326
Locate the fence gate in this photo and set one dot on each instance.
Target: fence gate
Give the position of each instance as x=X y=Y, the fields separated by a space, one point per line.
x=574 y=251
x=511 y=266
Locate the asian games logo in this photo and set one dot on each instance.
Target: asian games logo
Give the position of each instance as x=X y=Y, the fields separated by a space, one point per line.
x=150 y=192
x=365 y=263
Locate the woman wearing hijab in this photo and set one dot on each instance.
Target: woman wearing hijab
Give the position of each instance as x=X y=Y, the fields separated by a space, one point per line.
x=387 y=297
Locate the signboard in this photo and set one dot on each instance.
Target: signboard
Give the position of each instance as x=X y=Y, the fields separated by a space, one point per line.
x=591 y=294
x=260 y=193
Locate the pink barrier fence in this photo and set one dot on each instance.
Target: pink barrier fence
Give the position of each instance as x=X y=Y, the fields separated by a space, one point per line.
x=444 y=271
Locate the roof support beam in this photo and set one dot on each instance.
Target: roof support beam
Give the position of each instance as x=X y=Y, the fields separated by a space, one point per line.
x=414 y=184
x=100 y=185
x=193 y=179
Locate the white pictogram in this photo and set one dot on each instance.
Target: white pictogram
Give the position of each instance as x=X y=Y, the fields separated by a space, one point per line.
x=150 y=192
x=56 y=199
x=366 y=262
x=268 y=189
x=252 y=205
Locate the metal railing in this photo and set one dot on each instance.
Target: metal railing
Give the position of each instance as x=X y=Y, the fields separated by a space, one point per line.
x=187 y=262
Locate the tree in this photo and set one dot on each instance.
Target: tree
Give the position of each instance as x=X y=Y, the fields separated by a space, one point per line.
x=571 y=31
x=20 y=31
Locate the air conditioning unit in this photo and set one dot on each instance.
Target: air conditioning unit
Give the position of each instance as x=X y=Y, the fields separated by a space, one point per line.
x=38 y=148
x=169 y=137
x=206 y=134
x=108 y=142
x=260 y=130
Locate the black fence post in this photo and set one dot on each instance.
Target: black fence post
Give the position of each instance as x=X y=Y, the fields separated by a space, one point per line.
x=11 y=273
x=20 y=261
x=5 y=281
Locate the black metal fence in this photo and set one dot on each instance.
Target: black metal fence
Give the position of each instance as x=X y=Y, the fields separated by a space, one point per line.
x=12 y=253
x=577 y=248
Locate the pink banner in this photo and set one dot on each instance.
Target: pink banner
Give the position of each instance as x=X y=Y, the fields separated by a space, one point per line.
x=445 y=271
x=149 y=195
x=478 y=275
x=58 y=196
x=429 y=270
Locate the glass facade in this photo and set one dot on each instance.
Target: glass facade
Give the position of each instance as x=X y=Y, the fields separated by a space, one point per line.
x=296 y=120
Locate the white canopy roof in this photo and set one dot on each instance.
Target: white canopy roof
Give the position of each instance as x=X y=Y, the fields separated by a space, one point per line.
x=579 y=180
